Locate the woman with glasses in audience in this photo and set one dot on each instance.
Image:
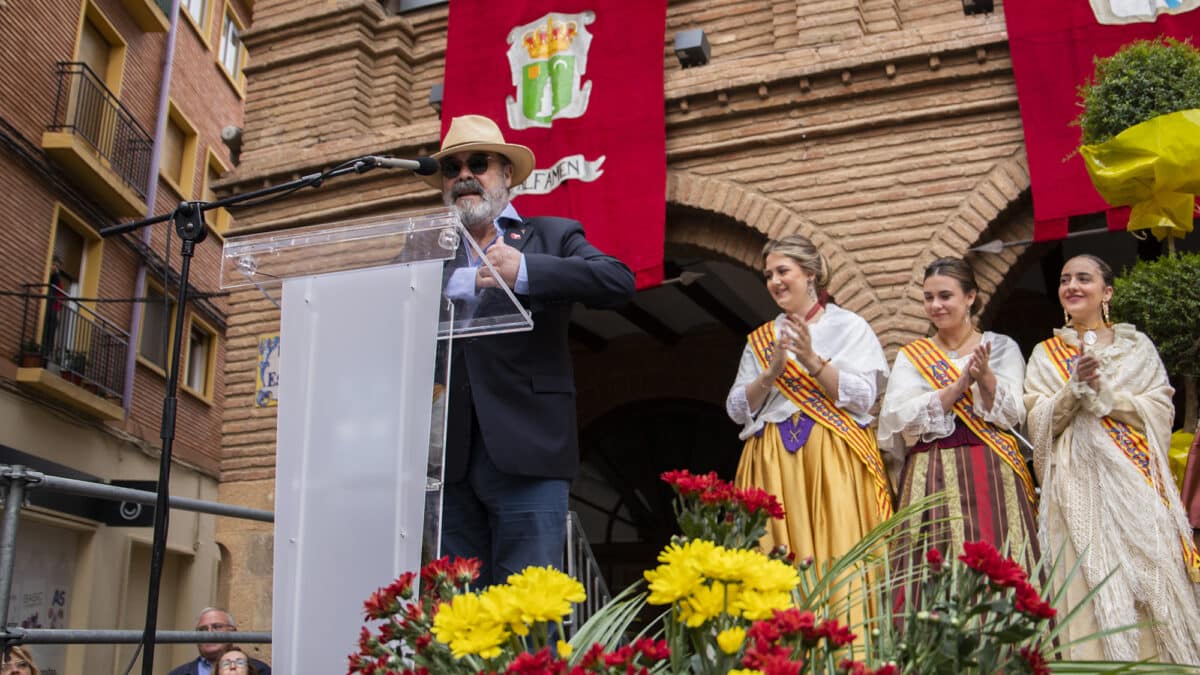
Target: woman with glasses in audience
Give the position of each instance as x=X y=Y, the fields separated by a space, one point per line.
x=1100 y=415
x=235 y=662
x=18 y=661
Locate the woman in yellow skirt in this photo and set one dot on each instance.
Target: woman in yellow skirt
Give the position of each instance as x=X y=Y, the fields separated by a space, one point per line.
x=803 y=395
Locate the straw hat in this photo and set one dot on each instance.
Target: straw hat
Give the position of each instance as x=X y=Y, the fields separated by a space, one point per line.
x=475 y=132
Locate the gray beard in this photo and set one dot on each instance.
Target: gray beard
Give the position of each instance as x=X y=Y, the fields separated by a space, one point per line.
x=476 y=214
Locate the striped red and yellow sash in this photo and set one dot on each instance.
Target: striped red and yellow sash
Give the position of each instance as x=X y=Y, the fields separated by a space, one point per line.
x=940 y=372
x=1132 y=443
x=803 y=390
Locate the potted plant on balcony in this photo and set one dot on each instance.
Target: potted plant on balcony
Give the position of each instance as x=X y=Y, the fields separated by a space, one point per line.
x=73 y=367
x=31 y=355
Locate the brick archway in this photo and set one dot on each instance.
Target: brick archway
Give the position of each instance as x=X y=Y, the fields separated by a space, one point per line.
x=761 y=217
x=996 y=208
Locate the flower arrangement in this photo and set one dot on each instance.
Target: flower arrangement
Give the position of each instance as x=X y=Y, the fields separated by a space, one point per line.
x=708 y=508
x=981 y=616
x=449 y=628
x=728 y=608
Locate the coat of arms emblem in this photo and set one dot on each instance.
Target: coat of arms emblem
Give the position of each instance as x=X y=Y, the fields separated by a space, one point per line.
x=548 y=58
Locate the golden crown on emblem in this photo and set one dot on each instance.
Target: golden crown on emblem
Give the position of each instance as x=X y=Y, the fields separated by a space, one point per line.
x=550 y=38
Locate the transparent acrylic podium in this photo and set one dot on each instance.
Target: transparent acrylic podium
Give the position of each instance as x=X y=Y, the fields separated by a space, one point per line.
x=365 y=338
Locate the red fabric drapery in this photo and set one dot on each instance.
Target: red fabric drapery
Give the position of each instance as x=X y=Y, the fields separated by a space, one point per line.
x=581 y=84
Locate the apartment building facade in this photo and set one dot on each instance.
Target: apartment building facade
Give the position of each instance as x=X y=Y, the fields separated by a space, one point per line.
x=112 y=111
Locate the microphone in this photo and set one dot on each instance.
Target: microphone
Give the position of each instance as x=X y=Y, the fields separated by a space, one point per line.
x=422 y=166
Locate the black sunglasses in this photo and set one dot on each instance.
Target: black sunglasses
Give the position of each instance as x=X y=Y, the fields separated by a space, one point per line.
x=477 y=164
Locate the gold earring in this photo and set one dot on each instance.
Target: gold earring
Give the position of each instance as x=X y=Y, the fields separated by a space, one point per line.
x=1104 y=309
x=1066 y=318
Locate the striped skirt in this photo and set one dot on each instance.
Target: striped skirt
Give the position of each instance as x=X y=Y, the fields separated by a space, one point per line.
x=985 y=501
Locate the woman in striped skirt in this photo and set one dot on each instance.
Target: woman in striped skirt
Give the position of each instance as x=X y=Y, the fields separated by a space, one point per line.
x=950 y=403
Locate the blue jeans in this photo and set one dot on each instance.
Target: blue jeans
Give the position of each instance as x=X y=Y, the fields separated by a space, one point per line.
x=508 y=522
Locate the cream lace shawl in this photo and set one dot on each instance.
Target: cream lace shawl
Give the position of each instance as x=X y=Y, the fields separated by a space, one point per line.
x=1115 y=521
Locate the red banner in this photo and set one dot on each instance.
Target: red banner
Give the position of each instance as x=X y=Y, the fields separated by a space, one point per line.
x=580 y=83
x=1053 y=45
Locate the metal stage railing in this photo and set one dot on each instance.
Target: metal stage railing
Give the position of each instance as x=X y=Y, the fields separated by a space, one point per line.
x=16 y=480
x=582 y=565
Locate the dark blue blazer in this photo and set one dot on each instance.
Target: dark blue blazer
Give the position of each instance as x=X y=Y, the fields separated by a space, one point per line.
x=520 y=387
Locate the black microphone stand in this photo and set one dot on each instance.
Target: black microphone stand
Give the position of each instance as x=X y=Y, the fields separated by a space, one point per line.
x=189 y=224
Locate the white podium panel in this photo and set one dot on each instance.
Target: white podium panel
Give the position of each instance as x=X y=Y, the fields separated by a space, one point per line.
x=366 y=331
x=356 y=394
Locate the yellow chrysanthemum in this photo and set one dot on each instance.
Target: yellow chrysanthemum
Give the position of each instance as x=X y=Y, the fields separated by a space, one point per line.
x=728 y=564
x=564 y=649
x=686 y=553
x=765 y=574
x=671 y=582
x=469 y=625
x=707 y=602
x=744 y=671
x=506 y=603
x=730 y=640
x=545 y=594
x=755 y=605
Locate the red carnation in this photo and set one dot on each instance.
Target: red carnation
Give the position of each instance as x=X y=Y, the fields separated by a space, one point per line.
x=541 y=663
x=934 y=558
x=1037 y=663
x=837 y=634
x=1029 y=602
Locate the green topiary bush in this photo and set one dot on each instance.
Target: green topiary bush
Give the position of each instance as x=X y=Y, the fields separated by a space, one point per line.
x=1143 y=80
x=1162 y=298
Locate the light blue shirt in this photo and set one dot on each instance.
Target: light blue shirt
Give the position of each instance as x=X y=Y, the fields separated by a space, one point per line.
x=205 y=668
x=461 y=285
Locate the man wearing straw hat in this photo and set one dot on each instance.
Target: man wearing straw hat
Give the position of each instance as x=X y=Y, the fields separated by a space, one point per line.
x=511 y=444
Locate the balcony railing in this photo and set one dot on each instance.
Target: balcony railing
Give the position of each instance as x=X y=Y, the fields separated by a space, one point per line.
x=83 y=347
x=86 y=108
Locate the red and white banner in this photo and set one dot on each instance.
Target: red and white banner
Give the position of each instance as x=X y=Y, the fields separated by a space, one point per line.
x=581 y=83
x=1053 y=46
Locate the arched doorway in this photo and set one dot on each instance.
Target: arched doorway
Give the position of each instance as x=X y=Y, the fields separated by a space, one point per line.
x=625 y=507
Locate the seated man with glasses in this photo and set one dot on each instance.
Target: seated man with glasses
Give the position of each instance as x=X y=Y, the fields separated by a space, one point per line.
x=219 y=621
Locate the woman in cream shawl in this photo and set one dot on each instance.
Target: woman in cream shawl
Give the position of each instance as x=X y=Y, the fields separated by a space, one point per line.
x=1100 y=418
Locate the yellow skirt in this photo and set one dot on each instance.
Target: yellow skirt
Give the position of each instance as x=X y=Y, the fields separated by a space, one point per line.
x=828 y=498
x=827 y=493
